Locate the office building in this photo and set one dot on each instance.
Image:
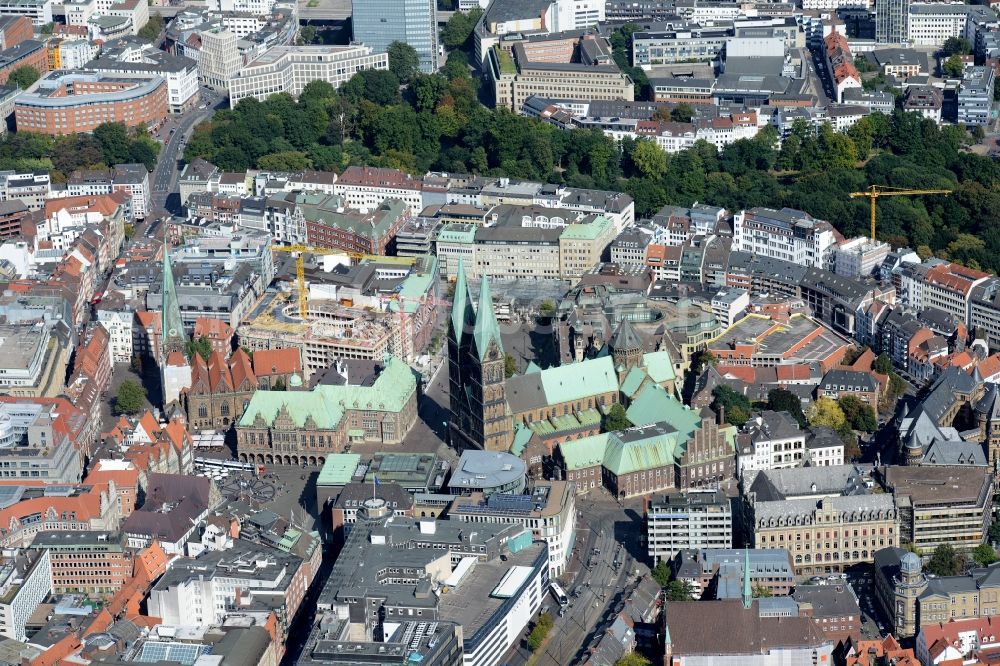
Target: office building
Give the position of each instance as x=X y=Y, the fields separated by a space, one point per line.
x=826 y=517
x=560 y=66
x=67 y=102
x=692 y=520
x=941 y=504
x=39 y=11
x=975 y=95
x=548 y=509
x=25 y=582
x=495 y=575
x=95 y=563
x=379 y=23
x=720 y=571
x=891 y=21
x=932 y=23
x=219 y=60
x=287 y=69
x=786 y=234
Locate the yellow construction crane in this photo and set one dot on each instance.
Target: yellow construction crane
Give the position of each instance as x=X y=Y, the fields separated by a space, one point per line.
x=875 y=191
x=300 y=269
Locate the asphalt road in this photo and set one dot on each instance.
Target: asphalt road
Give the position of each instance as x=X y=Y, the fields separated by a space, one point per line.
x=593 y=581
x=168 y=165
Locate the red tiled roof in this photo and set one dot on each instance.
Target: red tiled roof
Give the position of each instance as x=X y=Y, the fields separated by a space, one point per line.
x=277 y=362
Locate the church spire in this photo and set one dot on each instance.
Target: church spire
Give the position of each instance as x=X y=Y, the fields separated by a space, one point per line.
x=462 y=314
x=747 y=588
x=486 y=321
x=171 y=324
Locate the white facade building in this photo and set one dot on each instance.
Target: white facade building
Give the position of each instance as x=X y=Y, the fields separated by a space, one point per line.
x=785 y=234
x=25 y=581
x=287 y=69
x=219 y=59
x=39 y=11
x=696 y=519
x=120 y=330
x=770 y=440
x=728 y=303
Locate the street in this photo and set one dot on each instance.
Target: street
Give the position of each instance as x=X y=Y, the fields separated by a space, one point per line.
x=174 y=134
x=608 y=534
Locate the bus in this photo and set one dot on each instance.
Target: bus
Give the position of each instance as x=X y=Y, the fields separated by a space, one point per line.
x=558 y=593
x=215 y=464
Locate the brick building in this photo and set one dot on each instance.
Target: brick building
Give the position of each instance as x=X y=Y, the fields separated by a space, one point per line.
x=88 y=562
x=64 y=103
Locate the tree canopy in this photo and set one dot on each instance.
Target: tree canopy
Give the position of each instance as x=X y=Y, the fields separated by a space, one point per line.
x=437 y=123
x=153 y=28
x=826 y=413
x=201 y=346
x=945 y=561
x=737 y=405
x=130 y=397
x=783 y=400
x=857 y=414
x=404 y=62
x=23 y=76
x=984 y=555
x=616 y=419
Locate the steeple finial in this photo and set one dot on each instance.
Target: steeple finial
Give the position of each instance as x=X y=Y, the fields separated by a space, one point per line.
x=747 y=589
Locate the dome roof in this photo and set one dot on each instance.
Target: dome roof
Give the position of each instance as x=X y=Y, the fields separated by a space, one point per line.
x=910 y=563
x=295 y=380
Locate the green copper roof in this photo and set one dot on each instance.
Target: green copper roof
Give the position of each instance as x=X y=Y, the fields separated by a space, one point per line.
x=486 y=328
x=659 y=366
x=338 y=470
x=654 y=405
x=588 y=231
x=585 y=452
x=415 y=287
x=174 y=338
x=532 y=368
x=462 y=314
x=634 y=454
x=522 y=434
x=327 y=404
x=578 y=380
x=633 y=380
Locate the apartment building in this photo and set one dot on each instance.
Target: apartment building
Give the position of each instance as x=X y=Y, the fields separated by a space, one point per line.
x=691 y=520
x=367 y=187
x=975 y=95
x=365 y=231
x=785 y=234
x=770 y=440
x=940 y=285
x=287 y=69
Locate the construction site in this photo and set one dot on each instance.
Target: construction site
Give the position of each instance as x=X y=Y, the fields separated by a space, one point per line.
x=336 y=306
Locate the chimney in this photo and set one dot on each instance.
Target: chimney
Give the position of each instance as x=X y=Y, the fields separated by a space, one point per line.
x=721 y=418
